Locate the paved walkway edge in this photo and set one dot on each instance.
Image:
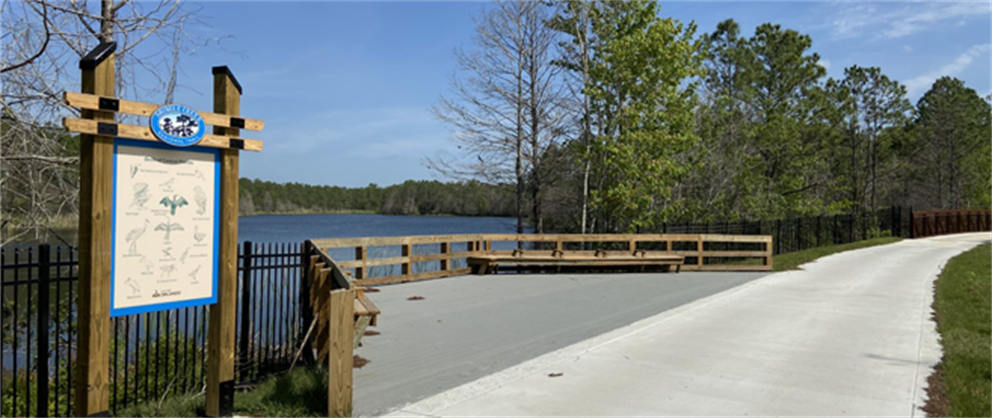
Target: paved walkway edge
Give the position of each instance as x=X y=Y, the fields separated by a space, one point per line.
x=429 y=406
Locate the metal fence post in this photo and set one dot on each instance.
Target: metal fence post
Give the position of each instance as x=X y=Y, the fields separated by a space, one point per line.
x=44 y=287
x=778 y=236
x=246 y=330
x=306 y=308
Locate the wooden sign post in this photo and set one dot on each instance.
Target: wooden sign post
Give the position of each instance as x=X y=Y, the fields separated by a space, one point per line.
x=223 y=314
x=175 y=176
x=95 y=189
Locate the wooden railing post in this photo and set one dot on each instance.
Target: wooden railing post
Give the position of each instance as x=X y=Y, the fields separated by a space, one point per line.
x=361 y=254
x=340 y=312
x=405 y=268
x=445 y=249
x=699 y=250
x=769 y=253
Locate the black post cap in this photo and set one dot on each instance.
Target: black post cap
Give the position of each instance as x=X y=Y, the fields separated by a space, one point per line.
x=97 y=55
x=222 y=69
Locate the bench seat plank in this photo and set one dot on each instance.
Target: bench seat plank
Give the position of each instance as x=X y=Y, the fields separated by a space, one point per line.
x=487 y=262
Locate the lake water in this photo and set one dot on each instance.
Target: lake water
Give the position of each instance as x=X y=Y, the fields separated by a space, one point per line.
x=296 y=228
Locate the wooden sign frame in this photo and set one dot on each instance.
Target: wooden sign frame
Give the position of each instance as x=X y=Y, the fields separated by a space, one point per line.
x=99 y=130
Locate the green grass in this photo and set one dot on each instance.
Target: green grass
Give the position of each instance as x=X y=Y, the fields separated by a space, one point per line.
x=299 y=393
x=961 y=385
x=790 y=261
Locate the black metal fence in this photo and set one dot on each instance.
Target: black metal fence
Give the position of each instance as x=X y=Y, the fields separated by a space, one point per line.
x=800 y=233
x=153 y=355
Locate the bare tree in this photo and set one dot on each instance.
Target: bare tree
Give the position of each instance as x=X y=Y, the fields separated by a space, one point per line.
x=507 y=106
x=42 y=43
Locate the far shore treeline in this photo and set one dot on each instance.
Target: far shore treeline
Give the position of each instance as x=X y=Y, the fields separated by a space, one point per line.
x=466 y=198
x=579 y=116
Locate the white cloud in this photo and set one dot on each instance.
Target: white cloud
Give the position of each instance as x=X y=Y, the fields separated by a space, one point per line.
x=853 y=19
x=825 y=63
x=907 y=48
x=920 y=83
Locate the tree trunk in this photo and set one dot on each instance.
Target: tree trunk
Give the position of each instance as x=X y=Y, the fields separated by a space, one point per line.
x=107 y=21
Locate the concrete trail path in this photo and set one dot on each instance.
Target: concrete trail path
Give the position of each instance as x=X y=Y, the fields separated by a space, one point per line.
x=849 y=334
x=471 y=326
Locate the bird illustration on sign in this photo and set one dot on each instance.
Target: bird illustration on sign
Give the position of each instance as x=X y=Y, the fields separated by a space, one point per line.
x=167 y=270
x=167 y=186
x=173 y=203
x=135 y=289
x=192 y=274
x=168 y=227
x=132 y=237
x=197 y=235
x=201 y=200
x=140 y=195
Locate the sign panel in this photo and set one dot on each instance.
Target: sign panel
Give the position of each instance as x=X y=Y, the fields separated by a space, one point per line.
x=165 y=227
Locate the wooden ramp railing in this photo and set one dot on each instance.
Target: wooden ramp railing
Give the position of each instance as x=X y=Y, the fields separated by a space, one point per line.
x=386 y=260
x=341 y=313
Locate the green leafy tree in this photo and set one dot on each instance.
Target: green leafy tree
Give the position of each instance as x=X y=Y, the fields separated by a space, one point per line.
x=641 y=93
x=950 y=155
x=875 y=109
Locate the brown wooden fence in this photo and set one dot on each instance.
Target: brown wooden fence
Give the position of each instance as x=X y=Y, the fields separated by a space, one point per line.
x=374 y=260
x=942 y=222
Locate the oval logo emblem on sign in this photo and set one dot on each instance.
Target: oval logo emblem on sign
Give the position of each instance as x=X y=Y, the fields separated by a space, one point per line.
x=177 y=125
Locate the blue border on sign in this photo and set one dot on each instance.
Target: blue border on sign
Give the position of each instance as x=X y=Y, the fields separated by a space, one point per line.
x=212 y=299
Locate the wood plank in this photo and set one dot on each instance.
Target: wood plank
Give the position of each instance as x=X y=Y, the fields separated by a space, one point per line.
x=577 y=262
x=757 y=254
x=340 y=313
x=144 y=133
x=729 y=267
x=397 y=240
x=96 y=206
x=223 y=314
x=92 y=102
x=401 y=260
x=435 y=239
x=416 y=277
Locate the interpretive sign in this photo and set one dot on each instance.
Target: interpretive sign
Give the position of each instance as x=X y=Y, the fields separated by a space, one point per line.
x=164 y=227
x=158 y=222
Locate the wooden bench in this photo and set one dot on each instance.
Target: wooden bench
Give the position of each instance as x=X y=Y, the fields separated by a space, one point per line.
x=489 y=262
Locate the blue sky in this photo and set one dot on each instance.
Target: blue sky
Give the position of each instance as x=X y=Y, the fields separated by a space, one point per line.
x=346 y=88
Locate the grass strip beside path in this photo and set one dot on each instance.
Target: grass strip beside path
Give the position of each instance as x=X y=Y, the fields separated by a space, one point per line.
x=961 y=385
x=298 y=393
x=790 y=261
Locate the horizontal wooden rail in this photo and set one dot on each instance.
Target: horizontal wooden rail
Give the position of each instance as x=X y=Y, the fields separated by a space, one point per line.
x=93 y=102
x=144 y=133
x=688 y=245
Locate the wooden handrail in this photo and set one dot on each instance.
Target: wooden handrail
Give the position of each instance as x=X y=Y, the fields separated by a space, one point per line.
x=695 y=246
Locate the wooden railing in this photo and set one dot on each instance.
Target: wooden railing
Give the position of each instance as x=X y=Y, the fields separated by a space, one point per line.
x=942 y=222
x=416 y=255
